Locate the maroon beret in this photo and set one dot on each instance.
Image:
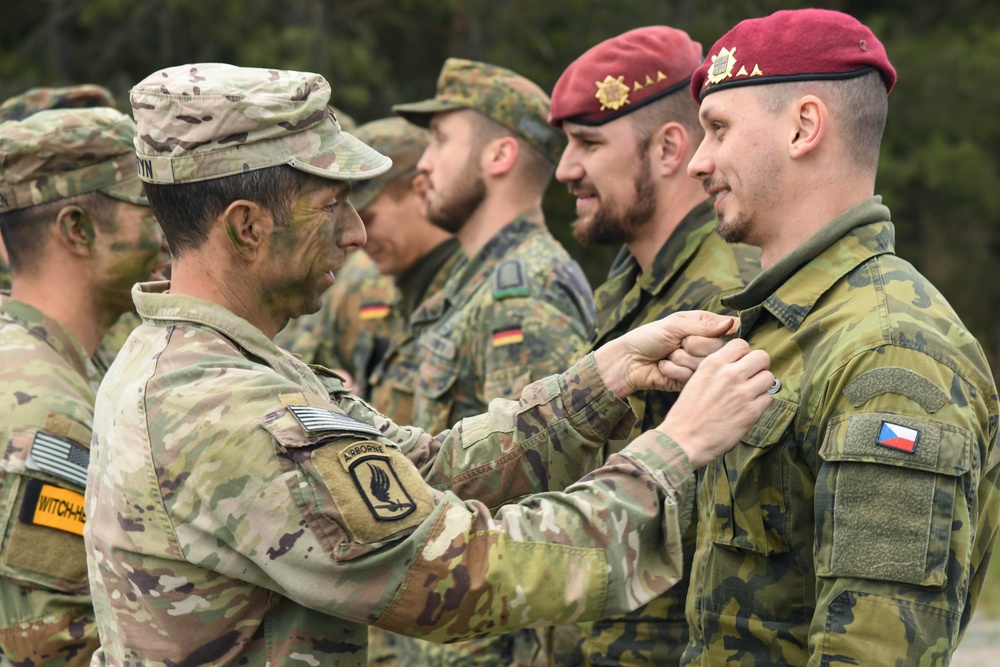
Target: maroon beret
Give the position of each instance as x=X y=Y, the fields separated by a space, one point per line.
x=623 y=74
x=792 y=45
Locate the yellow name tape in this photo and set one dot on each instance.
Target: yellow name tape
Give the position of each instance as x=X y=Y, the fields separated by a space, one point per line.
x=58 y=508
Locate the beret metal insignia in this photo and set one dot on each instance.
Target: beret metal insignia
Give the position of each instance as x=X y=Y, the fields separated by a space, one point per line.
x=612 y=93
x=722 y=65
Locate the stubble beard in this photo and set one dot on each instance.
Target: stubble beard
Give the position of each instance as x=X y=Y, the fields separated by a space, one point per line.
x=612 y=226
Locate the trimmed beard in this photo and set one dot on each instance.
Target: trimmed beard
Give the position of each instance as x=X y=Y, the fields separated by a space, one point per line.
x=457 y=204
x=614 y=227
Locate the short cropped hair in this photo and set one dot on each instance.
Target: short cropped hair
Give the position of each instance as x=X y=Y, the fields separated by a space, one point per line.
x=22 y=228
x=677 y=107
x=186 y=211
x=535 y=168
x=860 y=105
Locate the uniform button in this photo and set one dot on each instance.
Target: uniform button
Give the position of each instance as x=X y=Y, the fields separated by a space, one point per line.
x=775 y=386
x=506 y=390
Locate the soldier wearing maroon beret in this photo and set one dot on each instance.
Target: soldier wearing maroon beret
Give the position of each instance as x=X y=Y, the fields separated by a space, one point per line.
x=854 y=523
x=631 y=129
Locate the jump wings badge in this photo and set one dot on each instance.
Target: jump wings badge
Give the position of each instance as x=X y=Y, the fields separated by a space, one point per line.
x=612 y=93
x=722 y=65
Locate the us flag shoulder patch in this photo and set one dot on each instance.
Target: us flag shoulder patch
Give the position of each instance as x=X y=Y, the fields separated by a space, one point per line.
x=898 y=437
x=62 y=458
x=318 y=420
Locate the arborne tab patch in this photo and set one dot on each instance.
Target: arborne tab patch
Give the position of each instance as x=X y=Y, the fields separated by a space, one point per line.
x=53 y=507
x=370 y=467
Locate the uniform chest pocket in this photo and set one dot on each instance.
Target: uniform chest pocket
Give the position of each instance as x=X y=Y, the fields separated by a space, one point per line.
x=889 y=496
x=41 y=509
x=438 y=373
x=747 y=497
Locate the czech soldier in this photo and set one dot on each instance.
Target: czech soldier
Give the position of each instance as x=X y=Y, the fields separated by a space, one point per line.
x=631 y=128
x=244 y=510
x=79 y=235
x=853 y=524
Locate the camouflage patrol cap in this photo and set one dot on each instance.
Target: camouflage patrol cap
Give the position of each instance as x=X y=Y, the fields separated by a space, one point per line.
x=205 y=121
x=497 y=93
x=31 y=101
x=66 y=152
x=403 y=142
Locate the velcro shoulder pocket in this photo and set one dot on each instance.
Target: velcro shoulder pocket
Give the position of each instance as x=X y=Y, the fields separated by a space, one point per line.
x=886 y=497
x=355 y=491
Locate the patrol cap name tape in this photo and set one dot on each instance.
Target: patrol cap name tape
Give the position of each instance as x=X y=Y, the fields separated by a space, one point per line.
x=623 y=74
x=792 y=45
x=204 y=121
x=499 y=94
x=62 y=153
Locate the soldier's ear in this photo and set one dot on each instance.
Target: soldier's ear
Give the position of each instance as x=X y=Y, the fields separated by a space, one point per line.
x=75 y=230
x=500 y=155
x=247 y=226
x=669 y=147
x=809 y=122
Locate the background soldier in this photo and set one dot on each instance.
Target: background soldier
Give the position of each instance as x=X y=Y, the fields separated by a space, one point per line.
x=518 y=309
x=853 y=524
x=79 y=236
x=630 y=137
x=419 y=257
x=243 y=510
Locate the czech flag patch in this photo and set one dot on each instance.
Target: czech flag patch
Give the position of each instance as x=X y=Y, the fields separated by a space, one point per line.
x=374 y=311
x=508 y=336
x=898 y=437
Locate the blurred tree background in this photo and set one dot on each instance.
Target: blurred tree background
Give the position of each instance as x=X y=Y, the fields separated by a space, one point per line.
x=940 y=172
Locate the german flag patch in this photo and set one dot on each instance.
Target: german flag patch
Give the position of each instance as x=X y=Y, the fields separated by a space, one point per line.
x=53 y=507
x=374 y=311
x=508 y=336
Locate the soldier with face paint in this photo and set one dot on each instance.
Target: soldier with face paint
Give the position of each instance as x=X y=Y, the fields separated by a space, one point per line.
x=854 y=523
x=79 y=235
x=246 y=509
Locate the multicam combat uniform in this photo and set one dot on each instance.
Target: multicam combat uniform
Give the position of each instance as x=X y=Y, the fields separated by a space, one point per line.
x=517 y=311
x=351 y=331
x=693 y=270
x=853 y=524
x=243 y=510
x=47 y=390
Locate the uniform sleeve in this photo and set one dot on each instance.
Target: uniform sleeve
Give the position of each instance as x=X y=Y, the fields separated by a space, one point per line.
x=422 y=562
x=551 y=436
x=906 y=509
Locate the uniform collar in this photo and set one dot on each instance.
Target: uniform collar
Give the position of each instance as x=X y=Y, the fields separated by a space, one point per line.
x=845 y=242
x=471 y=273
x=52 y=333
x=158 y=307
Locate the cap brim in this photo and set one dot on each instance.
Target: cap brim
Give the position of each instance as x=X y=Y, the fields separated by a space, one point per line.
x=420 y=113
x=129 y=190
x=342 y=157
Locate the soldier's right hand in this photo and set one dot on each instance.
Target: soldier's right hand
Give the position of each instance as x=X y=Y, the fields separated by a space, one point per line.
x=720 y=402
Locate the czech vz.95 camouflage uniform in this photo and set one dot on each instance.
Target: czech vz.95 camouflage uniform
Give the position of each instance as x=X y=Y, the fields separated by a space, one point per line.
x=693 y=270
x=854 y=523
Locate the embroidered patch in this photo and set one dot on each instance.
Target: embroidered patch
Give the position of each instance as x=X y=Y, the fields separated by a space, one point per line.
x=317 y=420
x=898 y=437
x=370 y=467
x=62 y=458
x=374 y=311
x=53 y=507
x=509 y=280
x=508 y=336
